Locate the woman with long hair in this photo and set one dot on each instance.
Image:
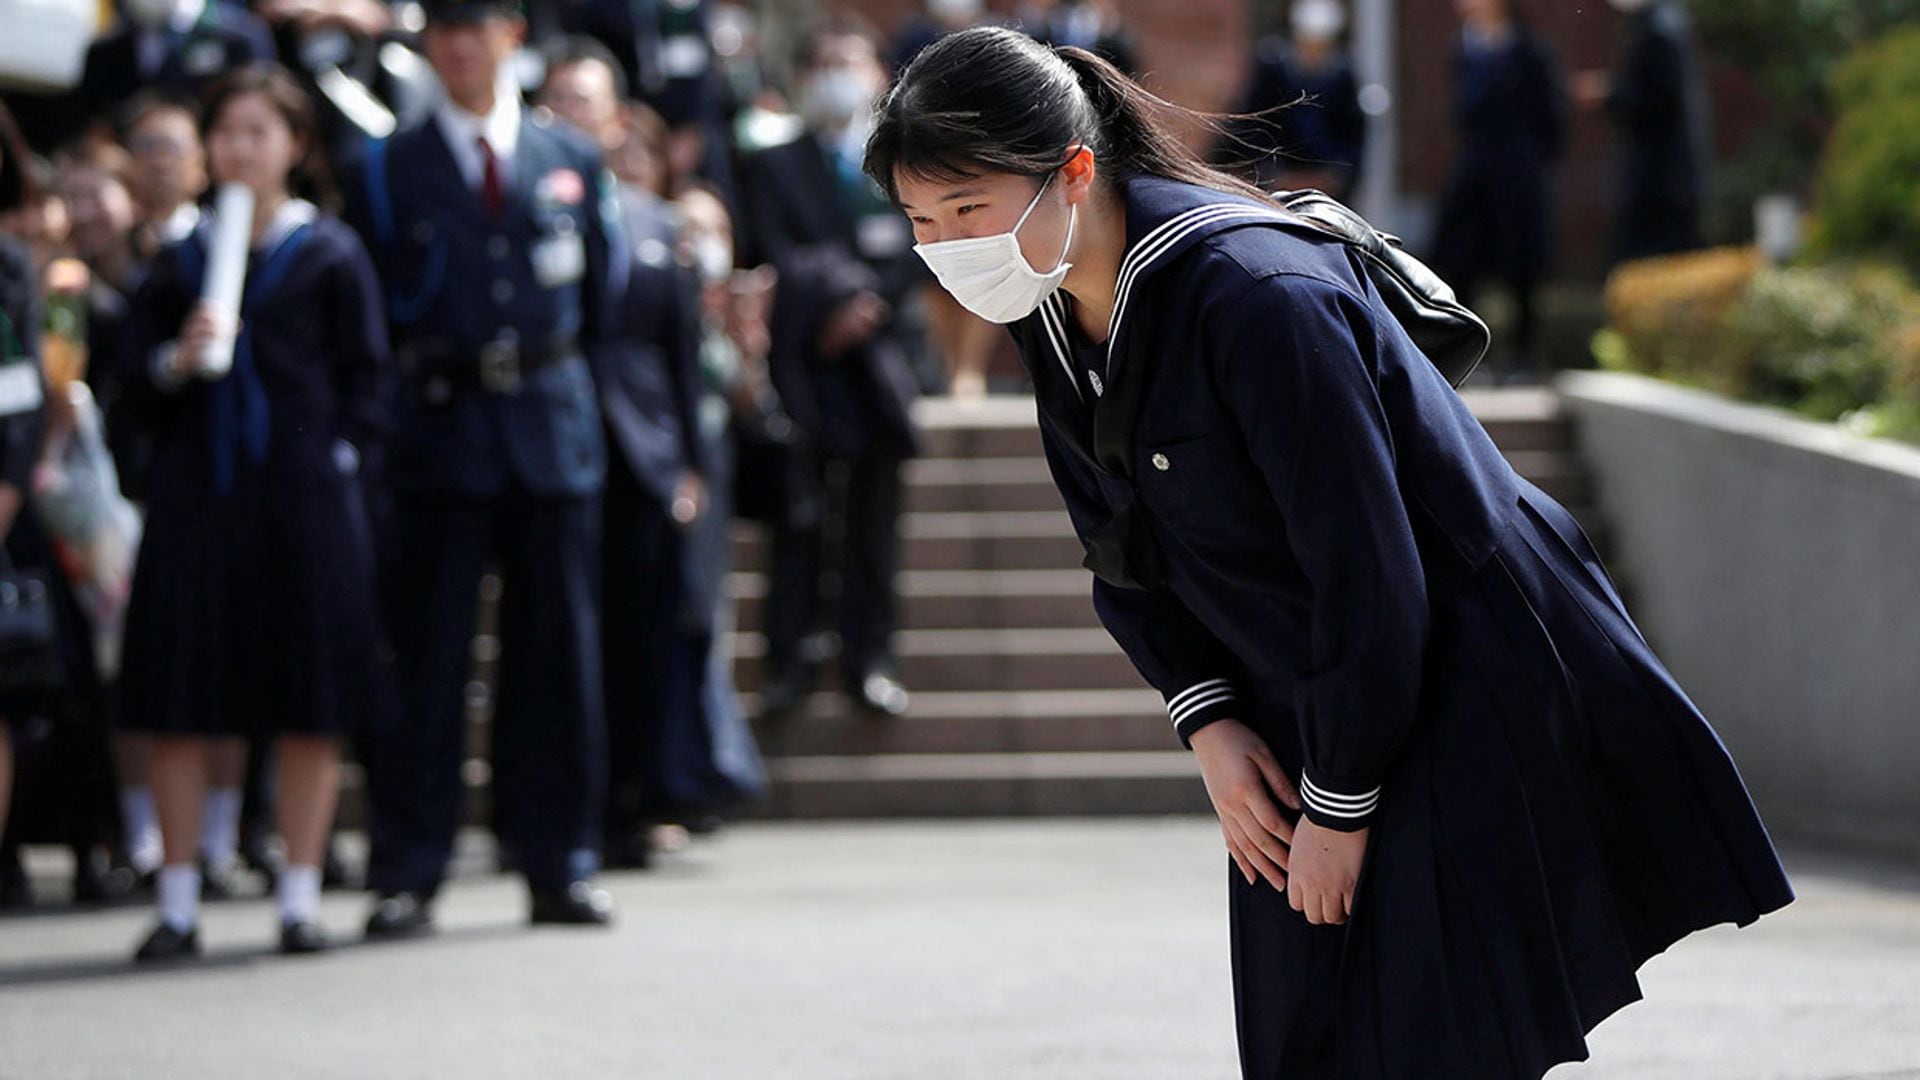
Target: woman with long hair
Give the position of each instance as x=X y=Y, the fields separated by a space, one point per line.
x=1463 y=800
x=252 y=608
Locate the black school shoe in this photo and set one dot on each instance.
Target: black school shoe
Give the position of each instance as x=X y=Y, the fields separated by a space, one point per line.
x=582 y=904
x=399 y=915
x=167 y=944
x=302 y=938
x=218 y=884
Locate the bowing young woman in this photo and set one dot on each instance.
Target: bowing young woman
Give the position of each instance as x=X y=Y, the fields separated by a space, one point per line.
x=252 y=607
x=1463 y=800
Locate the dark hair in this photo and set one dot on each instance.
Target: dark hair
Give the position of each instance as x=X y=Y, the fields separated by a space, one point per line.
x=579 y=49
x=19 y=185
x=148 y=102
x=991 y=100
x=309 y=178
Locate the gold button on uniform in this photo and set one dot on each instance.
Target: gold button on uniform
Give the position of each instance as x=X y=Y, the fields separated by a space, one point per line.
x=1160 y=462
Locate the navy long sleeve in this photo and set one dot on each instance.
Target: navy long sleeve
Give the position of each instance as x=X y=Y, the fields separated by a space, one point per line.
x=1300 y=359
x=1197 y=675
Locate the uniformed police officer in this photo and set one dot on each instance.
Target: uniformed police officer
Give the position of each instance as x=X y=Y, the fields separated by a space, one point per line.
x=490 y=226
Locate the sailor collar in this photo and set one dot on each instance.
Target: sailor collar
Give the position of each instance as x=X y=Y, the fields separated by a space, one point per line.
x=1164 y=219
x=287 y=219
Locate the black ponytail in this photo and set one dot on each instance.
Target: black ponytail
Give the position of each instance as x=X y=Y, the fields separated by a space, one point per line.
x=991 y=100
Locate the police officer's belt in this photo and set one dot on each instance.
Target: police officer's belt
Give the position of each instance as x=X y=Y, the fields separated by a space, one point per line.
x=497 y=367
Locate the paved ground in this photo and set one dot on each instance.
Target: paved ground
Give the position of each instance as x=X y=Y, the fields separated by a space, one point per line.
x=1001 y=950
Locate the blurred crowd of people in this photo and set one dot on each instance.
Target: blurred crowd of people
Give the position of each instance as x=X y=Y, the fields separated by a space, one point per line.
x=559 y=293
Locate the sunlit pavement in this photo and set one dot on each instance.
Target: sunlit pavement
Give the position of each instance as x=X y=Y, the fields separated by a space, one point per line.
x=979 y=949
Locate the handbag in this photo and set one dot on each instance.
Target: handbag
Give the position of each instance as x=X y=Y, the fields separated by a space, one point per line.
x=29 y=638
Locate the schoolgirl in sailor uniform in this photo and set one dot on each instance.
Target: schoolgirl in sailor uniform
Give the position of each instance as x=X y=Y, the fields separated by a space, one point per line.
x=252 y=606
x=1463 y=800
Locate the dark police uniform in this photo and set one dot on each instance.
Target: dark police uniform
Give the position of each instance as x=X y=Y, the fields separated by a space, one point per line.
x=1300 y=526
x=498 y=455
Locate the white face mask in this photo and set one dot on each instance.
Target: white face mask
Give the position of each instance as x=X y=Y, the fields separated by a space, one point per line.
x=836 y=99
x=990 y=275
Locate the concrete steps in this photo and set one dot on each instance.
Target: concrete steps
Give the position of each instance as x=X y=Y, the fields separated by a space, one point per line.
x=1022 y=704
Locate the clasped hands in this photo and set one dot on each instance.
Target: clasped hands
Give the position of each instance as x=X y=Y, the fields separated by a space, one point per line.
x=1315 y=866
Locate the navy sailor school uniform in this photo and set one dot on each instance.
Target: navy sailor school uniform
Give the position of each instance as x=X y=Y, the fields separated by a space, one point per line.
x=252 y=606
x=1298 y=524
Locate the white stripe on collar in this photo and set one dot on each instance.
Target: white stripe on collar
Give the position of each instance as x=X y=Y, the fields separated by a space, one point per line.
x=290 y=216
x=1053 y=319
x=1161 y=240
x=1142 y=255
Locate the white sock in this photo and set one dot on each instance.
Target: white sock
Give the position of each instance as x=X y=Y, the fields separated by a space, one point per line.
x=220 y=828
x=142 y=828
x=180 y=896
x=299 y=894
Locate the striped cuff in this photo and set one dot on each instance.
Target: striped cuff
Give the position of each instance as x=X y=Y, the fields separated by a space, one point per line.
x=1199 y=705
x=1341 y=811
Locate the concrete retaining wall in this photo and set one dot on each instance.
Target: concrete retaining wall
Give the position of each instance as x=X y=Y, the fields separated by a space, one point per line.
x=1775 y=565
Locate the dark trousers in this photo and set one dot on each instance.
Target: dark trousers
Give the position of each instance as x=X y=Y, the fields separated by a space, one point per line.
x=548 y=726
x=869 y=513
x=652 y=682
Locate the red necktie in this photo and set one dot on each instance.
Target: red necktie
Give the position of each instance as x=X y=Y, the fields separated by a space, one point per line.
x=491 y=193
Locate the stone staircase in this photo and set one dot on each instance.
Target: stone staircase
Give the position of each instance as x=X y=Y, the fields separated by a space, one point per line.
x=1022 y=704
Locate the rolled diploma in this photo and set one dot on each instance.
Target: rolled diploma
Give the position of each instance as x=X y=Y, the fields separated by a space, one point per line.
x=227 y=270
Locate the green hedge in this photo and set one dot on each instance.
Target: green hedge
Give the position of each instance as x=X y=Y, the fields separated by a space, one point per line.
x=1869 y=187
x=1832 y=342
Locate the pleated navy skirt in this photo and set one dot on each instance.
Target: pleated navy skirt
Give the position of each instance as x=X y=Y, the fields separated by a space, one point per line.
x=253 y=610
x=1562 y=812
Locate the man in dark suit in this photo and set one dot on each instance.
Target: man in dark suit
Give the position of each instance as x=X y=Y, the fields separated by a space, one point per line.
x=491 y=227
x=648 y=372
x=173 y=48
x=665 y=56
x=1657 y=100
x=845 y=259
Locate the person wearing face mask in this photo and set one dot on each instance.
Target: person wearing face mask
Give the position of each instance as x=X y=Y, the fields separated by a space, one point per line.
x=840 y=365
x=1299 y=123
x=1463 y=802
x=1658 y=103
